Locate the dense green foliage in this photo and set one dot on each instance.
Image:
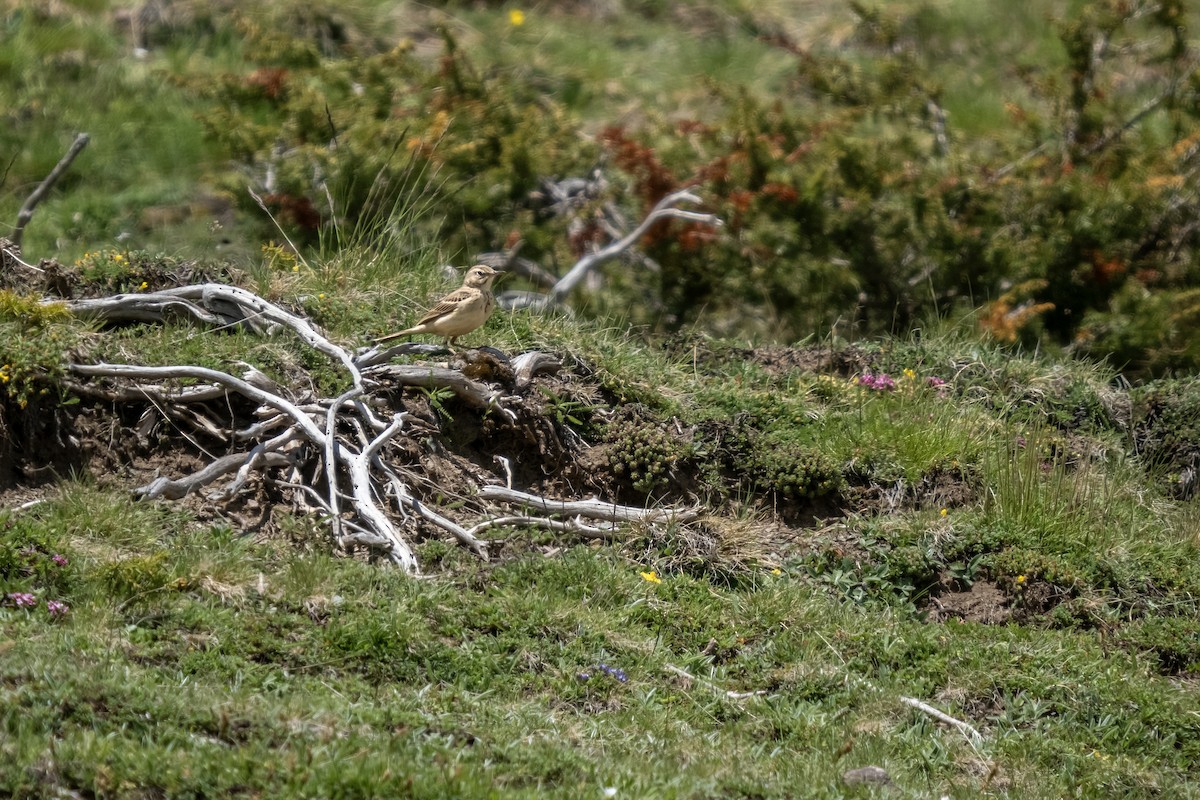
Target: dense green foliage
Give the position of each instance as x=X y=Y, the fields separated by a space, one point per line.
x=929 y=512
x=1046 y=184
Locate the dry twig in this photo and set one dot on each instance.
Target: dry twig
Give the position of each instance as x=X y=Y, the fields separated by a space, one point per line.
x=43 y=189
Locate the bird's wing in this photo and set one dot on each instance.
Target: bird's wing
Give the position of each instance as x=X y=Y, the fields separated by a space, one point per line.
x=445 y=306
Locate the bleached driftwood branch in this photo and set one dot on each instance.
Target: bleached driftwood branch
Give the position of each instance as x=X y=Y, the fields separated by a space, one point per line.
x=732 y=695
x=473 y=393
x=973 y=736
x=592 y=509
x=575 y=525
x=331 y=452
x=43 y=188
x=302 y=423
x=666 y=208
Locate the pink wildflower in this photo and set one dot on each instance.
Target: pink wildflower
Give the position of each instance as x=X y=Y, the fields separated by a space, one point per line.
x=880 y=383
x=22 y=599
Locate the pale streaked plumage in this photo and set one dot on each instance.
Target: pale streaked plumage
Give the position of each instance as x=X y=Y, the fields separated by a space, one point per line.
x=459 y=312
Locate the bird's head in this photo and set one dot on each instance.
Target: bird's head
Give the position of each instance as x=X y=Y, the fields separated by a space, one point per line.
x=480 y=276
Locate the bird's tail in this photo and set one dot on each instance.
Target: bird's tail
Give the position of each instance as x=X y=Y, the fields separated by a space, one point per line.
x=393 y=336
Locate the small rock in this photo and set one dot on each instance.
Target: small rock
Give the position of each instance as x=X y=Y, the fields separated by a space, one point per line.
x=869 y=775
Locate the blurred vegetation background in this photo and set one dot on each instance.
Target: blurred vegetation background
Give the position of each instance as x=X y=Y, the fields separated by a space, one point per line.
x=1028 y=167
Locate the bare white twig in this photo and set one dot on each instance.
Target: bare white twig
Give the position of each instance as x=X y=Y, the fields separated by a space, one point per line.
x=972 y=735
x=592 y=509
x=214 y=293
x=563 y=526
x=474 y=393
x=465 y=537
x=39 y=194
x=507 y=465
x=264 y=452
x=175 y=488
x=331 y=459
x=710 y=685
x=664 y=209
x=360 y=481
x=529 y=365
x=205 y=374
x=148 y=307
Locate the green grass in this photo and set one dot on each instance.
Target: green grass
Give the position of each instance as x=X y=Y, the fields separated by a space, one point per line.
x=192 y=655
x=195 y=661
x=198 y=661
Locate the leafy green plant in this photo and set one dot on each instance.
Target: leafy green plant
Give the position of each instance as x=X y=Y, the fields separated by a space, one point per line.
x=643 y=453
x=565 y=410
x=794 y=471
x=138 y=575
x=33 y=337
x=437 y=397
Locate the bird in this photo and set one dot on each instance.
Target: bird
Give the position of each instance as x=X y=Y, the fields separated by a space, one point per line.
x=460 y=312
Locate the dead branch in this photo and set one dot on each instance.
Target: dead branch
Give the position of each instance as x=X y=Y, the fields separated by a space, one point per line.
x=238 y=385
x=146 y=391
x=664 y=209
x=592 y=509
x=175 y=488
x=331 y=458
x=263 y=454
x=473 y=393
x=216 y=294
x=575 y=525
x=528 y=365
x=332 y=451
x=360 y=480
x=39 y=194
x=465 y=537
x=732 y=695
x=973 y=736
x=149 y=307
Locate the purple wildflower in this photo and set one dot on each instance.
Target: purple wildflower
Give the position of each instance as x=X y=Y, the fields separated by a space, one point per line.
x=880 y=383
x=614 y=672
x=22 y=599
x=57 y=608
x=935 y=381
x=59 y=559
x=584 y=676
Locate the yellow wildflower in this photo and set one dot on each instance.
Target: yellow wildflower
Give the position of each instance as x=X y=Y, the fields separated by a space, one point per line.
x=516 y=17
x=651 y=576
x=908 y=373
x=944 y=511
x=1020 y=579
x=144 y=286
x=295 y=267
x=118 y=257
x=777 y=571
x=321 y=296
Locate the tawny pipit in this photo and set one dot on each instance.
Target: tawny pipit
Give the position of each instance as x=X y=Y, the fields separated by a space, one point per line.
x=460 y=312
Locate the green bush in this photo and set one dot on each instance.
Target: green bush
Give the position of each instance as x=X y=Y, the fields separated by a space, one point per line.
x=643 y=453
x=33 y=338
x=1167 y=432
x=793 y=470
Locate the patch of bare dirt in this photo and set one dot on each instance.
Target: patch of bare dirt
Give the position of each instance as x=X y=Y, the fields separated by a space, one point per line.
x=844 y=361
x=984 y=603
